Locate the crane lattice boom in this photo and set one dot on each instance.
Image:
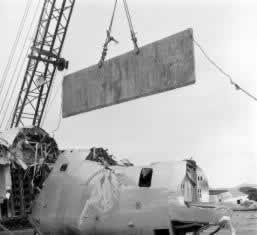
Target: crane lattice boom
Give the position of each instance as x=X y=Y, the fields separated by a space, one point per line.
x=43 y=60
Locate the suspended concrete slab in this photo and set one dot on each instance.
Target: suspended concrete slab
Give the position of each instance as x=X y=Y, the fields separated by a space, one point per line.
x=160 y=66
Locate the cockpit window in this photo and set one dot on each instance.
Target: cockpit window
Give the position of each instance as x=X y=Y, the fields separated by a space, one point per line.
x=161 y=232
x=200 y=178
x=64 y=167
x=145 y=178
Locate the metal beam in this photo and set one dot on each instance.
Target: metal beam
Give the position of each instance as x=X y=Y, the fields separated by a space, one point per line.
x=160 y=66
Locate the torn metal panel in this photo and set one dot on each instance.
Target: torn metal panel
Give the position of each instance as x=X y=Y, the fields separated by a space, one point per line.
x=33 y=144
x=23 y=144
x=4 y=160
x=5 y=174
x=31 y=152
x=5 y=181
x=7 y=137
x=102 y=156
x=160 y=66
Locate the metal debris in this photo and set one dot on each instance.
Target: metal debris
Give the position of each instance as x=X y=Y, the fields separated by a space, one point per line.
x=29 y=154
x=101 y=155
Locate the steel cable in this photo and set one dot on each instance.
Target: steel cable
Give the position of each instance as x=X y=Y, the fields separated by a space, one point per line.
x=238 y=87
x=15 y=70
x=128 y=16
x=14 y=46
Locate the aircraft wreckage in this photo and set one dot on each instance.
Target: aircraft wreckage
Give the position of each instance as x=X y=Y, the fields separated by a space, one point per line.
x=81 y=191
x=89 y=192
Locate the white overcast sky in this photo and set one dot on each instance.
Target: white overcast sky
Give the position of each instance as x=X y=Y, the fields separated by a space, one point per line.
x=209 y=121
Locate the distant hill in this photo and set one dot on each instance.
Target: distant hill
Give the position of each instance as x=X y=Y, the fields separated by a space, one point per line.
x=250 y=190
x=242 y=189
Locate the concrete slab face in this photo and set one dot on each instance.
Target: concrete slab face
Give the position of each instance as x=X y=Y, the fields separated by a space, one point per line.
x=160 y=66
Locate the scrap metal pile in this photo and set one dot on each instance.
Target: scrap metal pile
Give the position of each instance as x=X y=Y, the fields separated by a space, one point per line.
x=28 y=155
x=31 y=148
x=36 y=146
x=37 y=151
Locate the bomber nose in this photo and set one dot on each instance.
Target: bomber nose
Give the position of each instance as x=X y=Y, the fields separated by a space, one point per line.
x=200 y=216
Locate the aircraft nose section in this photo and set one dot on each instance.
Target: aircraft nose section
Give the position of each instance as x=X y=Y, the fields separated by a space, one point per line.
x=225 y=222
x=202 y=214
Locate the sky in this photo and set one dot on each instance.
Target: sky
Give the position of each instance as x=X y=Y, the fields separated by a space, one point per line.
x=209 y=121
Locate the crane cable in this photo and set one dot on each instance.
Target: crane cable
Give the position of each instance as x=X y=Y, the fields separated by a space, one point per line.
x=59 y=118
x=238 y=87
x=60 y=110
x=113 y=14
x=14 y=46
x=10 y=98
x=110 y=38
x=132 y=32
x=20 y=70
x=50 y=102
x=16 y=66
x=8 y=124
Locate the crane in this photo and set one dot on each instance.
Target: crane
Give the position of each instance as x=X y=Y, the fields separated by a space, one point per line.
x=43 y=61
